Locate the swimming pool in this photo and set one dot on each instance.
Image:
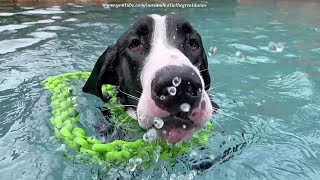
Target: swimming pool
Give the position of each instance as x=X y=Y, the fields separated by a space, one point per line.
x=269 y=100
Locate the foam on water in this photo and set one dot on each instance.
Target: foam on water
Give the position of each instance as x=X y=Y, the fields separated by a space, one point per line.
x=44 y=21
x=54 y=28
x=270 y=101
x=71 y=20
x=12 y=27
x=42 y=12
x=6 y=14
x=243 y=47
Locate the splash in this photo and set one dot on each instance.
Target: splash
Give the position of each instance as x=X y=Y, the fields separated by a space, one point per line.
x=150 y=135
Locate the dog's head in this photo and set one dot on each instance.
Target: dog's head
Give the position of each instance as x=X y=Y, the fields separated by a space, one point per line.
x=161 y=69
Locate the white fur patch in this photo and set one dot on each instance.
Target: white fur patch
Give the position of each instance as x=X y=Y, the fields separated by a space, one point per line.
x=162 y=54
x=132 y=113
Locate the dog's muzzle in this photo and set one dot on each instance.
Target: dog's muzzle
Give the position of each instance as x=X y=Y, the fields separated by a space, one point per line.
x=176 y=89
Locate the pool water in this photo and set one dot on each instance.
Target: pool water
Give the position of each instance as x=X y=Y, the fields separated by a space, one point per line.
x=270 y=103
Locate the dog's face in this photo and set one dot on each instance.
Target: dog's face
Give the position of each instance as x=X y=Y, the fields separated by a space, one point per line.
x=161 y=70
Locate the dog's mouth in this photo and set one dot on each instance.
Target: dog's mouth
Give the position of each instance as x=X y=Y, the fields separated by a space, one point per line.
x=174 y=129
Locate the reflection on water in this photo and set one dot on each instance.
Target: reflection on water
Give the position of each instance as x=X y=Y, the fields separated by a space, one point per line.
x=269 y=98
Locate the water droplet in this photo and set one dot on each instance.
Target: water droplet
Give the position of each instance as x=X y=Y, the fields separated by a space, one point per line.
x=62 y=148
x=240 y=56
x=272 y=46
x=172 y=90
x=176 y=81
x=158 y=122
x=185 y=107
x=193 y=154
x=71 y=90
x=184 y=126
x=132 y=165
x=162 y=97
x=150 y=135
x=74 y=100
x=139 y=161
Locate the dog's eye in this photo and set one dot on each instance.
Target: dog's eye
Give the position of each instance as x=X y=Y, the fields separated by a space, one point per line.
x=135 y=45
x=194 y=44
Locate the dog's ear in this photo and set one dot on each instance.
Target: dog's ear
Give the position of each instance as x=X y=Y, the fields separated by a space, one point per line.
x=204 y=70
x=104 y=72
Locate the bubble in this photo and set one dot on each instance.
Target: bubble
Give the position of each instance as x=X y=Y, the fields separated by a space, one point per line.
x=176 y=81
x=172 y=90
x=158 y=122
x=150 y=135
x=164 y=132
x=184 y=126
x=162 y=97
x=185 y=107
x=133 y=163
x=174 y=37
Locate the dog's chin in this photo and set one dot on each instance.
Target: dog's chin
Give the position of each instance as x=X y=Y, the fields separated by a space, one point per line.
x=175 y=135
x=176 y=129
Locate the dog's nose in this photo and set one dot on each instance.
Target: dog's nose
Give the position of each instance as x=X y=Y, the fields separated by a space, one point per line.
x=176 y=89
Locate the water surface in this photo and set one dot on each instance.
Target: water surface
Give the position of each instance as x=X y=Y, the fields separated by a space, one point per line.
x=269 y=100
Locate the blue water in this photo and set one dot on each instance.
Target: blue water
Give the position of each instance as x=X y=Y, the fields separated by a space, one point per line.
x=269 y=100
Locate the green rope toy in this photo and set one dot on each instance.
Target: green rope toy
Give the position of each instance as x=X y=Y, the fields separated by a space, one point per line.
x=65 y=121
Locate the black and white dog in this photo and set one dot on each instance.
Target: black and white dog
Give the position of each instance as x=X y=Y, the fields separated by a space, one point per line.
x=161 y=70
